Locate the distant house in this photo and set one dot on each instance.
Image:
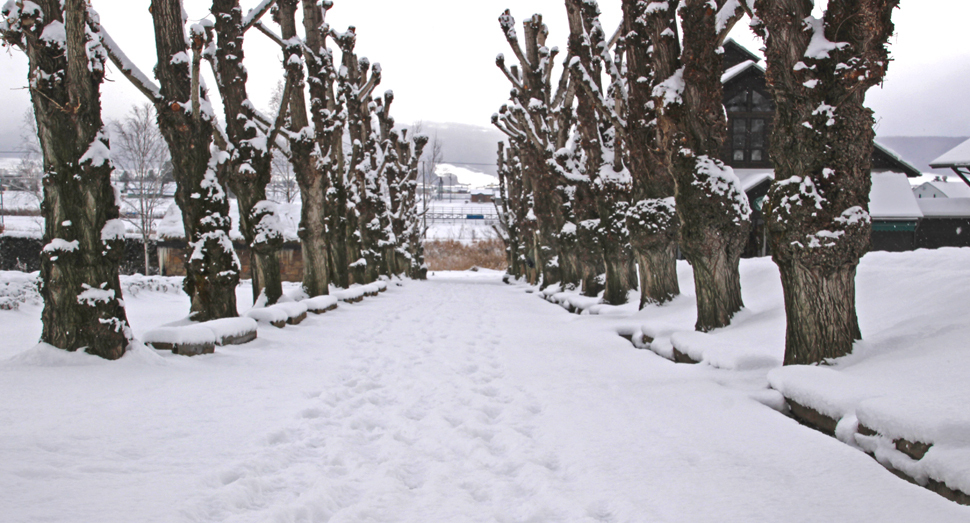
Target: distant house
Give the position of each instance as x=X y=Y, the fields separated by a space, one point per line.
x=946 y=219
x=750 y=111
x=942 y=189
x=482 y=195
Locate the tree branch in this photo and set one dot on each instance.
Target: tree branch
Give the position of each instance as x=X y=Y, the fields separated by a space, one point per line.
x=129 y=69
x=254 y=14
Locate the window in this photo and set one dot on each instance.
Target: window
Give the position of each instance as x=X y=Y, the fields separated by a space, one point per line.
x=748 y=140
x=749 y=122
x=748 y=101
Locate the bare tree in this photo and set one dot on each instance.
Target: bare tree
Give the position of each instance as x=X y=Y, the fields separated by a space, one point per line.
x=819 y=70
x=190 y=128
x=433 y=155
x=538 y=121
x=283 y=185
x=713 y=210
x=30 y=170
x=140 y=150
x=250 y=160
x=83 y=235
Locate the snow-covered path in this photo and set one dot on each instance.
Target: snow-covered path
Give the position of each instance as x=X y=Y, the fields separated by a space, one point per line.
x=458 y=399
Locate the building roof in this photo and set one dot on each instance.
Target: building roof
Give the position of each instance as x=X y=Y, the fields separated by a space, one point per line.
x=892 y=198
x=950 y=189
x=751 y=178
x=959 y=156
x=733 y=72
x=944 y=207
x=897 y=160
x=730 y=45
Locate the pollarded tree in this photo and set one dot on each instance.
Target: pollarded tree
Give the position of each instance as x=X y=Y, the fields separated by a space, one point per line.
x=509 y=208
x=817 y=213
x=537 y=120
x=250 y=158
x=404 y=202
x=356 y=80
x=83 y=235
x=651 y=218
x=307 y=166
x=712 y=208
x=404 y=230
x=609 y=184
x=187 y=122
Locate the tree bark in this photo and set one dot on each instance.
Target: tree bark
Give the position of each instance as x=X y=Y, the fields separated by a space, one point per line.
x=713 y=210
x=83 y=235
x=820 y=312
x=212 y=271
x=312 y=182
x=651 y=219
x=817 y=210
x=250 y=161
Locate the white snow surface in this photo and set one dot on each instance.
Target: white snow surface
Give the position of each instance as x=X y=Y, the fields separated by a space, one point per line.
x=463 y=399
x=465 y=176
x=891 y=197
x=959 y=156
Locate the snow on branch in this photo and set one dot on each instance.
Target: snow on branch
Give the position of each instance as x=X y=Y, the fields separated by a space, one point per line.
x=253 y=16
x=129 y=69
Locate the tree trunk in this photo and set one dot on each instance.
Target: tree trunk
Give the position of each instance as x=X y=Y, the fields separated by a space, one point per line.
x=212 y=272
x=821 y=145
x=250 y=163
x=718 y=285
x=658 y=276
x=312 y=182
x=83 y=235
x=713 y=209
x=820 y=309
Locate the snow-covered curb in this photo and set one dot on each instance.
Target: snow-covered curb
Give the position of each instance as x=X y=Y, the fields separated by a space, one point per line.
x=201 y=338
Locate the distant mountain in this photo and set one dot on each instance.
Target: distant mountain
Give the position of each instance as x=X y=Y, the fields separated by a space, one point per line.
x=921 y=150
x=470 y=146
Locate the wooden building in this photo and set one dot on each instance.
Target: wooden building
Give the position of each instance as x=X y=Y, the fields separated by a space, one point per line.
x=750 y=112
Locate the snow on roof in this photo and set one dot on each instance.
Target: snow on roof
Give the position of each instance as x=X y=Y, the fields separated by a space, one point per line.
x=914 y=171
x=944 y=207
x=892 y=198
x=951 y=189
x=733 y=72
x=751 y=178
x=959 y=156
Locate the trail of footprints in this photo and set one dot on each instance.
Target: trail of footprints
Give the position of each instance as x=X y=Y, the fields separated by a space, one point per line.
x=422 y=419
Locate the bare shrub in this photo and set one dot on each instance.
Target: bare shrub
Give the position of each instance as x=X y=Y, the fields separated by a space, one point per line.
x=453 y=255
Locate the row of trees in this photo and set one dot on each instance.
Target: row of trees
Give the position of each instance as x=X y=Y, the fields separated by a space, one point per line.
x=359 y=219
x=613 y=167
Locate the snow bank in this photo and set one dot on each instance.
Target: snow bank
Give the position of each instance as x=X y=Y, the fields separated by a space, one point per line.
x=320 y=304
x=280 y=314
x=18 y=288
x=232 y=331
x=188 y=340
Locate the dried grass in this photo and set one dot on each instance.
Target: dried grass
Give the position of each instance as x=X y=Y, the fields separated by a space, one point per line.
x=452 y=255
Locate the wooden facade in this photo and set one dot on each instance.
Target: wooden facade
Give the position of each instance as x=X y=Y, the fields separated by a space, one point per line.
x=172 y=253
x=750 y=112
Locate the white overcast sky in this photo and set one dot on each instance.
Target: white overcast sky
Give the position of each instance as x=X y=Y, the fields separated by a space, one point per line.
x=438 y=57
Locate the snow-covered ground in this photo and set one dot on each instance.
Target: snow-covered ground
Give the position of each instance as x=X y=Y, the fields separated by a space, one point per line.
x=456 y=399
